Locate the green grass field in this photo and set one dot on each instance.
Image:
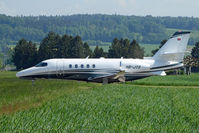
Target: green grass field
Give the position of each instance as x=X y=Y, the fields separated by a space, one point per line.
x=155 y=104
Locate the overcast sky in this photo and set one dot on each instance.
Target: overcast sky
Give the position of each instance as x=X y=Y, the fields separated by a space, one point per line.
x=123 y=7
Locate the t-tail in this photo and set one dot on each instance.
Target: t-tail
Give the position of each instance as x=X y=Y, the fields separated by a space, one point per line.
x=171 y=54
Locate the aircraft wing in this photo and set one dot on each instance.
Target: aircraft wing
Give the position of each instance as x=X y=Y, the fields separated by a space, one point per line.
x=117 y=76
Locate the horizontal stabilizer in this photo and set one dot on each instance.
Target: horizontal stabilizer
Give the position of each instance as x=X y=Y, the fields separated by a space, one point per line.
x=160 y=73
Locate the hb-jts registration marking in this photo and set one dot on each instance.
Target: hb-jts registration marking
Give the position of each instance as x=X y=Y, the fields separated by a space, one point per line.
x=133 y=67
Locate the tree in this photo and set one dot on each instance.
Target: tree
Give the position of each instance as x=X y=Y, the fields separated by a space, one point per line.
x=25 y=54
x=98 y=52
x=123 y=48
x=195 y=55
x=63 y=46
x=161 y=44
x=1 y=60
x=195 y=51
x=115 y=49
x=76 y=48
x=135 y=51
x=55 y=46
x=86 y=50
x=49 y=47
x=1 y=64
x=146 y=29
x=190 y=62
x=119 y=48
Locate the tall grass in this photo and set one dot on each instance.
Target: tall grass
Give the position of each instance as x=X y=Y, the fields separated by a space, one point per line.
x=174 y=80
x=111 y=108
x=17 y=94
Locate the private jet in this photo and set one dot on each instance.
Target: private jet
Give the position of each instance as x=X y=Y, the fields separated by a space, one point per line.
x=107 y=70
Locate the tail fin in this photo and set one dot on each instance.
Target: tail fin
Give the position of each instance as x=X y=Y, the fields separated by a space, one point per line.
x=173 y=50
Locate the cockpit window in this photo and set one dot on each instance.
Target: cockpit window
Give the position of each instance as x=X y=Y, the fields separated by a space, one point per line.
x=42 y=64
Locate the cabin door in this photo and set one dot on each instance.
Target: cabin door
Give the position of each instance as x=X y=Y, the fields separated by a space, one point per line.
x=60 y=69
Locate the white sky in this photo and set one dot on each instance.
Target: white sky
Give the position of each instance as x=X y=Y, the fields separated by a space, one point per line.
x=123 y=7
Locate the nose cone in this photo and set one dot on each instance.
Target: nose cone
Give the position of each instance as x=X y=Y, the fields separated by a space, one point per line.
x=24 y=73
x=19 y=74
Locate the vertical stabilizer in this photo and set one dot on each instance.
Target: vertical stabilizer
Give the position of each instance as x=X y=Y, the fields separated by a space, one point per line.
x=173 y=50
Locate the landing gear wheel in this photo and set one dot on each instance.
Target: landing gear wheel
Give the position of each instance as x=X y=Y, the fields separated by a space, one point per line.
x=105 y=81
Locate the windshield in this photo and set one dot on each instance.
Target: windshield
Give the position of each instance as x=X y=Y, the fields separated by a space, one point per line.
x=41 y=64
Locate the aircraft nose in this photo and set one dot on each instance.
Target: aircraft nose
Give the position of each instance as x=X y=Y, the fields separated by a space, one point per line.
x=24 y=73
x=19 y=74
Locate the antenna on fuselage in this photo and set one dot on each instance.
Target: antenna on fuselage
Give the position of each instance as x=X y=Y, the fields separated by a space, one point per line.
x=87 y=57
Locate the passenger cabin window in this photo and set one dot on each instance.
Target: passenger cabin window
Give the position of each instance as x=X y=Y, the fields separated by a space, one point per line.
x=42 y=64
x=93 y=65
x=82 y=66
x=87 y=66
x=70 y=66
x=76 y=66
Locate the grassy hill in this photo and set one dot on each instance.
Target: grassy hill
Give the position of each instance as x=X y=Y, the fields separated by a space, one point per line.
x=96 y=28
x=156 y=104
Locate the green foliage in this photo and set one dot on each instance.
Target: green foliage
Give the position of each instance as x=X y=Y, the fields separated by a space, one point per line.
x=105 y=48
x=115 y=49
x=48 y=47
x=195 y=57
x=156 y=104
x=63 y=46
x=97 y=27
x=195 y=51
x=135 y=51
x=123 y=48
x=25 y=54
x=161 y=44
x=1 y=59
x=147 y=48
x=1 y=64
x=86 y=50
x=56 y=46
x=5 y=54
x=95 y=43
x=76 y=48
x=98 y=52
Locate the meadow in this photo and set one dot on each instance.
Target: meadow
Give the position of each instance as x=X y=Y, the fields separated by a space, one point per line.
x=154 y=104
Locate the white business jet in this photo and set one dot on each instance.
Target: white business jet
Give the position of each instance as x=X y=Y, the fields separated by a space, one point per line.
x=170 y=56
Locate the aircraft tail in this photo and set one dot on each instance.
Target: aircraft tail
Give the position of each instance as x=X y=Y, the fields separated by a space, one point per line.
x=172 y=52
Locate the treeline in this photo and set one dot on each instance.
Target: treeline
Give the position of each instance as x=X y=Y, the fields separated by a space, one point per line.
x=26 y=53
x=191 y=62
x=93 y=27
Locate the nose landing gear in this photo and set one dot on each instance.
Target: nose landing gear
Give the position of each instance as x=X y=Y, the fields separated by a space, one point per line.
x=33 y=82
